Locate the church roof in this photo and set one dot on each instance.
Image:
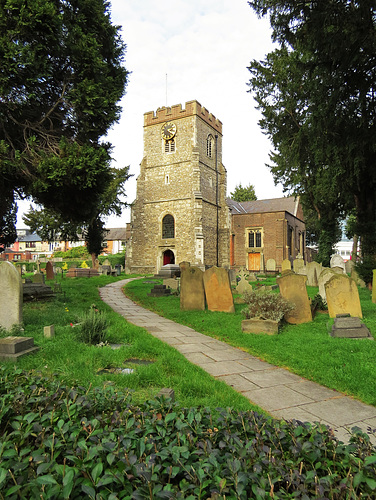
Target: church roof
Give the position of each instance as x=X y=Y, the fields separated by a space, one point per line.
x=116 y=234
x=287 y=204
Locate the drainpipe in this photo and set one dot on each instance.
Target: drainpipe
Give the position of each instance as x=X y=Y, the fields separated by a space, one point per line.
x=217 y=201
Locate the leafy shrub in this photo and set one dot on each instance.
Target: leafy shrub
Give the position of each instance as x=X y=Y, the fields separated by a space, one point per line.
x=318 y=303
x=93 y=327
x=60 y=442
x=265 y=304
x=75 y=253
x=365 y=268
x=117 y=258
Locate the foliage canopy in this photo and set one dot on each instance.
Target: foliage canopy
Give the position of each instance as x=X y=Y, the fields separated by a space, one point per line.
x=61 y=77
x=246 y=193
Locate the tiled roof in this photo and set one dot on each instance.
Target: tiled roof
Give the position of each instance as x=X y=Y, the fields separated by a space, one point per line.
x=286 y=204
x=116 y=234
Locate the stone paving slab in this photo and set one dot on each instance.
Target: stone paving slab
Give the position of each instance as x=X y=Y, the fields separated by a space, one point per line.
x=281 y=393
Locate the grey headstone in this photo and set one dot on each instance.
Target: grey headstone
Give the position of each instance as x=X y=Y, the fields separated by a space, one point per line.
x=11 y=296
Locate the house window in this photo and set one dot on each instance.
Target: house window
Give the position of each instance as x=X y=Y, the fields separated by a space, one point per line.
x=255 y=238
x=168 y=227
x=169 y=146
x=209 y=146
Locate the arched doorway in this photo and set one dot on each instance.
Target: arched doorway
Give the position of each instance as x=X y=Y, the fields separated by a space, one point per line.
x=168 y=257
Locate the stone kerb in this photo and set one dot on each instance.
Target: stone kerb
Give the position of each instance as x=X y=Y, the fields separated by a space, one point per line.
x=11 y=296
x=324 y=277
x=342 y=296
x=337 y=261
x=293 y=288
x=192 y=295
x=313 y=272
x=218 y=290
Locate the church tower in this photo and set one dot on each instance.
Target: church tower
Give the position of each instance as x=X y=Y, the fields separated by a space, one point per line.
x=180 y=212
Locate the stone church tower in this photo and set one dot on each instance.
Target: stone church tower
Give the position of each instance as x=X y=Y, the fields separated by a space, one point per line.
x=180 y=212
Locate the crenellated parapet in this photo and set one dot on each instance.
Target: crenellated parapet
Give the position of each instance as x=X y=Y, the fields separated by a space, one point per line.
x=175 y=112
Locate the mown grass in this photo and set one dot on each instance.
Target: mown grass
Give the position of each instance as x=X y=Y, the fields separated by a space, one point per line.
x=308 y=350
x=76 y=363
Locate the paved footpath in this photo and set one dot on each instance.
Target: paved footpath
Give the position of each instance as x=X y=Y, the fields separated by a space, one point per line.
x=276 y=390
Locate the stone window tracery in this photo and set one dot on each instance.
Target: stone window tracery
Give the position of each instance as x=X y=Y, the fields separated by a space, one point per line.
x=209 y=146
x=254 y=238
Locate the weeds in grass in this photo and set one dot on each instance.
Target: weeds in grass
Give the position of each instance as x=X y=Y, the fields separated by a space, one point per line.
x=93 y=327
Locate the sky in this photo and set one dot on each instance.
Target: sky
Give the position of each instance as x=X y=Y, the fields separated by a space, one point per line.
x=204 y=48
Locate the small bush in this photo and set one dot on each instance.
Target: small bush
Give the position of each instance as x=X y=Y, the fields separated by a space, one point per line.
x=93 y=327
x=318 y=303
x=265 y=304
x=365 y=268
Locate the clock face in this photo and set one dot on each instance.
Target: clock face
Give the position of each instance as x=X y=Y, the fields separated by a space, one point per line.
x=168 y=131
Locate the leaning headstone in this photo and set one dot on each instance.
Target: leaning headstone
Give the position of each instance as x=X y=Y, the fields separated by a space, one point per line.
x=218 y=290
x=12 y=348
x=342 y=296
x=286 y=265
x=49 y=271
x=270 y=265
x=11 y=296
x=293 y=288
x=313 y=272
x=349 y=328
x=192 y=295
x=324 y=277
x=337 y=261
x=243 y=285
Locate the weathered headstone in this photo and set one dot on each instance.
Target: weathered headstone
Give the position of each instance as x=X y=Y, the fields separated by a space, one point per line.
x=11 y=296
x=49 y=271
x=338 y=270
x=358 y=280
x=342 y=296
x=293 y=288
x=286 y=265
x=159 y=291
x=350 y=328
x=232 y=276
x=106 y=262
x=298 y=264
x=49 y=331
x=313 y=273
x=349 y=264
x=96 y=264
x=337 y=261
x=218 y=290
x=192 y=295
x=270 y=265
x=324 y=277
x=243 y=284
x=12 y=348
x=171 y=283
x=38 y=278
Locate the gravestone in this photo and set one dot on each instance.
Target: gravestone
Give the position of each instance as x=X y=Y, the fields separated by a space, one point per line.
x=49 y=331
x=313 y=272
x=243 y=285
x=11 y=296
x=337 y=261
x=270 y=265
x=12 y=348
x=293 y=288
x=171 y=283
x=192 y=295
x=96 y=264
x=24 y=269
x=38 y=278
x=232 y=276
x=106 y=262
x=349 y=264
x=350 y=328
x=49 y=271
x=298 y=264
x=159 y=291
x=342 y=296
x=218 y=290
x=358 y=280
x=168 y=271
x=184 y=265
x=286 y=265
x=324 y=277
x=106 y=269
x=338 y=270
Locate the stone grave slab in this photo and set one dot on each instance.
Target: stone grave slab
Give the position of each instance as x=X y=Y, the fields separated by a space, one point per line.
x=12 y=348
x=342 y=296
x=37 y=291
x=349 y=327
x=168 y=271
x=192 y=295
x=159 y=291
x=293 y=288
x=218 y=290
x=11 y=296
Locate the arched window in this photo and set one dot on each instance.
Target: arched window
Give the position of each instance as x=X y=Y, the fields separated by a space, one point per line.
x=168 y=226
x=209 y=146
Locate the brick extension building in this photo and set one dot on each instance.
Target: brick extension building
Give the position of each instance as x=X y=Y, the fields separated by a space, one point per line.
x=181 y=213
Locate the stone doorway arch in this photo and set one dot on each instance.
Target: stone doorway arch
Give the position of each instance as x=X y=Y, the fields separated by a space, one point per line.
x=168 y=257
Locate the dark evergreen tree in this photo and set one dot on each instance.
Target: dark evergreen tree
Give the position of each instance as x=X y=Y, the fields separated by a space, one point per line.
x=246 y=193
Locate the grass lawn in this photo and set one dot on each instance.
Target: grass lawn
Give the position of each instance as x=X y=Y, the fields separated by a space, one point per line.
x=76 y=363
x=347 y=365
